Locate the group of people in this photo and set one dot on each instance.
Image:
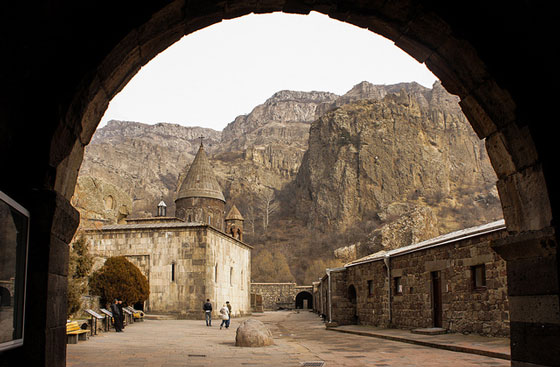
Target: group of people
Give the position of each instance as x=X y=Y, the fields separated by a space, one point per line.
x=225 y=313
x=118 y=315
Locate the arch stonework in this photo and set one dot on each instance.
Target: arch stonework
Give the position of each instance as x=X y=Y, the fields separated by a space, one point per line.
x=487 y=53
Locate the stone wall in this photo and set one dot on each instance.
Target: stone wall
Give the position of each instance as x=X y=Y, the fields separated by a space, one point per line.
x=406 y=301
x=277 y=296
x=228 y=273
x=185 y=264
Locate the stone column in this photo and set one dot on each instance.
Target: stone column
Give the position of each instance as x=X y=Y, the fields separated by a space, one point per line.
x=53 y=222
x=533 y=291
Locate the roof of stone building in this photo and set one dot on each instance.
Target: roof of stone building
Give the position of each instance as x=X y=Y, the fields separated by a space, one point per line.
x=234 y=214
x=200 y=180
x=436 y=241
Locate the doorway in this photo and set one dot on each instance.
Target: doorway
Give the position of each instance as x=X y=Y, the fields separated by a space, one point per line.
x=304 y=300
x=437 y=308
x=353 y=298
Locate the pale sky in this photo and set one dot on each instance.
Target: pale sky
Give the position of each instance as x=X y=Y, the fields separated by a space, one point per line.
x=220 y=72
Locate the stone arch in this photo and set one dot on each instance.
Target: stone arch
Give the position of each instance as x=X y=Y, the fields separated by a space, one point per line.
x=482 y=61
x=304 y=300
x=423 y=34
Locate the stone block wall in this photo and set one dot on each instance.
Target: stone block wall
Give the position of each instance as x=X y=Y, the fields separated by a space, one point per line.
x=482 y=310
x=228 y=273
x=370 y=281
x=465 y=308
x=185 y=265
x=275 y=295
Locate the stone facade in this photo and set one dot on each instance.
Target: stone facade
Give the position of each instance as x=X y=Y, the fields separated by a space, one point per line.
x=456 y=282
x=188 y=259
x=276 y=296
x=185 y=263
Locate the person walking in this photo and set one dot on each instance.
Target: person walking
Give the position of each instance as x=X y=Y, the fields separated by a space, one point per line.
x=229 y=314
x=116 y=316
x=207 y=307
x=225 y=316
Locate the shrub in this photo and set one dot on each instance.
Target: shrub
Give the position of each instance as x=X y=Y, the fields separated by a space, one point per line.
x=120 y=279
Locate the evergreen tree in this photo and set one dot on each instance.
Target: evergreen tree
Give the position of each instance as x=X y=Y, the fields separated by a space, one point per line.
x=80 y=263
x=120 y=279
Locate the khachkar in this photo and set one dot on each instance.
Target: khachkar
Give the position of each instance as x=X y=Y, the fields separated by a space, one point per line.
x=200 y=198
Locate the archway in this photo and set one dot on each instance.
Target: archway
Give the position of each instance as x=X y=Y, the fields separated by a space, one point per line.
x=481 y=61
x=304 y=300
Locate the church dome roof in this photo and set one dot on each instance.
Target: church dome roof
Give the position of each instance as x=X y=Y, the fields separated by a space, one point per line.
x=200 y=180
x=234 y=214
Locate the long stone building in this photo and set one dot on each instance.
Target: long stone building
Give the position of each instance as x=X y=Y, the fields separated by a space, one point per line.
x=455 y=282
x=190 y=257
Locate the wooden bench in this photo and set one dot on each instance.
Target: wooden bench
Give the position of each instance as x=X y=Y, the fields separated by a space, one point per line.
x=75 y=333
x=136 y=314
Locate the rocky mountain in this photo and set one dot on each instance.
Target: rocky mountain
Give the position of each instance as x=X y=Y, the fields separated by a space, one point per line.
x=255 y=155
x=379 y=166
x=144 y=161
x=399 y=148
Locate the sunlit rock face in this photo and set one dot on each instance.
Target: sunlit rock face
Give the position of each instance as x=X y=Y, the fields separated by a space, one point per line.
x=398 y=148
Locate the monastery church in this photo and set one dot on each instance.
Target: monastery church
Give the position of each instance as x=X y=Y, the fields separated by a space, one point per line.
x=197 y=254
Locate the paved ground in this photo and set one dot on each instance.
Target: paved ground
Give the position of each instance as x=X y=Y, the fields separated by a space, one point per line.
x=299 y=337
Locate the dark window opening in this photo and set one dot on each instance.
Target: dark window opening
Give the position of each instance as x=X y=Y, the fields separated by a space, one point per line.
x=370 y=287
x=398 y=285
x=478 y=276
x=173 y=272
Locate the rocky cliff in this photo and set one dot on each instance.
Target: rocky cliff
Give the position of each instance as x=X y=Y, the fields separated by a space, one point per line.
x=380 y=166
x=142 y=160
x=380 y=157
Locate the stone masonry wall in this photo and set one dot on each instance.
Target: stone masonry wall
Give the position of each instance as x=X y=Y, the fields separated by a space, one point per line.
x=465 y=308
x=228 y=274
x=372 y=306
x=275 y=295
x=181 y=264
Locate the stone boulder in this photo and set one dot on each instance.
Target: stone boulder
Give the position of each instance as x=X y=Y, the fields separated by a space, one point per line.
x=253 y=333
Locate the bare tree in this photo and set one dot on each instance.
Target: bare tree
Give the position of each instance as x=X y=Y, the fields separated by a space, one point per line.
x=268 y=206
x=251 y=217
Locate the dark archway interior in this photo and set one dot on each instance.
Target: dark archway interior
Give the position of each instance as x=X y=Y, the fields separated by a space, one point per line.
x=64 y=61
x=304 y=296
x=352 y=296
x=5 y=297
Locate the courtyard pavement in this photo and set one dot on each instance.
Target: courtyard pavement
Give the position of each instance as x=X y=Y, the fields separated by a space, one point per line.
x=300 y=339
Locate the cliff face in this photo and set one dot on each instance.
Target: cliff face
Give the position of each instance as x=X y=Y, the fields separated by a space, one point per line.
x=396 y=164
x=143 y=160
x=256 y=154
x=269 y=142
x=377 y=158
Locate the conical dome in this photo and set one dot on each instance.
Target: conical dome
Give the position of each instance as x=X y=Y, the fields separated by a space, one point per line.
x=234 y=214
x=200 y=181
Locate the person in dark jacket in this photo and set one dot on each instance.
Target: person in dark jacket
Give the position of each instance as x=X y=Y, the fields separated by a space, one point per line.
x=208 y=312
x=116 y=316
x=120 y=306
